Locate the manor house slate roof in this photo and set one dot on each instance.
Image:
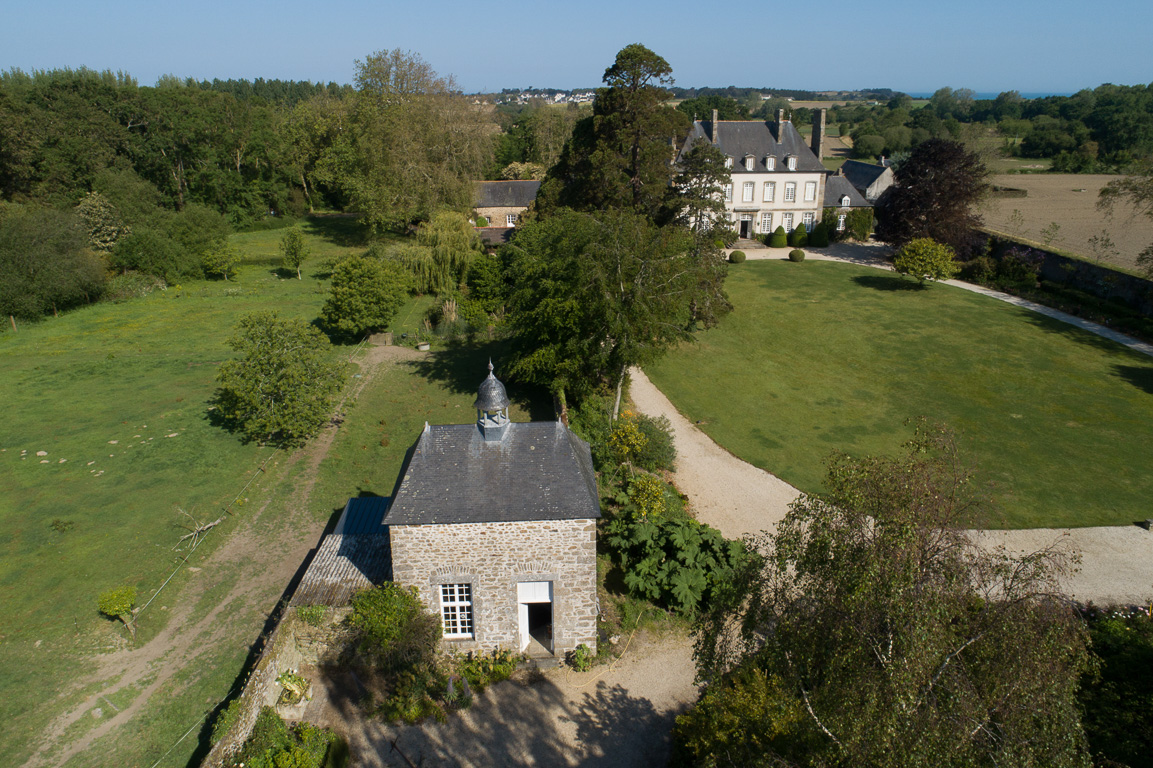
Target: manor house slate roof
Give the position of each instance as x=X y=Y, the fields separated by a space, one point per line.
x=539 y=470
x=862 y=175
x=738 y=138
x=837 y=187
x=504 y=194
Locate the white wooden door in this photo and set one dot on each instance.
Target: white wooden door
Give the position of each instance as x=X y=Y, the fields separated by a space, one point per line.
x=522 y=619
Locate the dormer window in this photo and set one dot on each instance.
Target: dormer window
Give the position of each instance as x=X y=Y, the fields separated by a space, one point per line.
x=770 y=162
x=728 y=162
x=750 y=161
x=791 y=162
x=844 y=201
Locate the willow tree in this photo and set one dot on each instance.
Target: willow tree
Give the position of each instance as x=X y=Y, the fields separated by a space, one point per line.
x=419 y=141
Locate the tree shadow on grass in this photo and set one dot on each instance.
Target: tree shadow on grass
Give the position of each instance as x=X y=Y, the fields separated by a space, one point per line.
x=1073 y=332
x=1140 y=376
x=887 y=283
x=462 y=366
x=345 y=230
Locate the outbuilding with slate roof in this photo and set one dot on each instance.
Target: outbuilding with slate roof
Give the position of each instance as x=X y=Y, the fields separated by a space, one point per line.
x=494 y=523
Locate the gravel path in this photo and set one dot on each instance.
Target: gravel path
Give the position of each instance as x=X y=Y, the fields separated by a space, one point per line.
x=737 y=498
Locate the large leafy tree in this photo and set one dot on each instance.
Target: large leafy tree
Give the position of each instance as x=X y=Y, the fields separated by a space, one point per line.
x=281 y=388
x=621 y=156
x=44 y=264
x=876 y=632
x=596 y=293
x=366 y=294
x=935 y=196
x=420 y=142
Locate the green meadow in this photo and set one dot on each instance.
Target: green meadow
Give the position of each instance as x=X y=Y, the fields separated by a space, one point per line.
x=823 y=356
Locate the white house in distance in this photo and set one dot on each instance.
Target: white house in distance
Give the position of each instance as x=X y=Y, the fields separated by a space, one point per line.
x=777 y=179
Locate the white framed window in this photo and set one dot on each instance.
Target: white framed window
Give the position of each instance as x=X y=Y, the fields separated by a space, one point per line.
x=729 y=192
x=841 y=222
x=750 y=161
x=766 y=223
x=510 y=219
x=747 y=191
x=790 y=192
x=770 y=191
x=810 y=191
x=770 y=162
x=808 y=219
x=728 y=162
x=791 y=162
x=844 y=201
x=456 y=609
x=788 y=222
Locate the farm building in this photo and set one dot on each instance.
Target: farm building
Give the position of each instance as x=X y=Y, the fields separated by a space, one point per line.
x=501 y=203
x=493 y=522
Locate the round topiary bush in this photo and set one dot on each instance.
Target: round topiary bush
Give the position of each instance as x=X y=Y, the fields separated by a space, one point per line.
x=481 y=221
x=796 y=255
x=799 y=238
x=737 y=257
x=778 y=239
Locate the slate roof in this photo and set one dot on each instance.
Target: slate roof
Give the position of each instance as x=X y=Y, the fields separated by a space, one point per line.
x=355 y=556
x=504 y=194
x=540 y=470
x=738 y=138
x=491 y=395
x=837 y=187
x=862 y=175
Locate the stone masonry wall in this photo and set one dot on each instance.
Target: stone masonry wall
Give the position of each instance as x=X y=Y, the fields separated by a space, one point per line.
x=497 y=216
x=494 y=558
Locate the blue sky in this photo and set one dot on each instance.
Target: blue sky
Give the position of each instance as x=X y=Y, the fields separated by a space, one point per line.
x=908 y=45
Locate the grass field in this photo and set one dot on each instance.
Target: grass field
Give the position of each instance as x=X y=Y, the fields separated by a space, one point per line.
x=114 y=397
x=823 y=356
x=1071 y=201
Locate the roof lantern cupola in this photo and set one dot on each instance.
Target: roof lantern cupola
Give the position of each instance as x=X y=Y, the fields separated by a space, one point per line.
x=491 y=408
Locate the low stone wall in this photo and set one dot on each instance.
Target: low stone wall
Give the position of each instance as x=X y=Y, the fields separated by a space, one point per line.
x=292 y=645
x=1098 y=280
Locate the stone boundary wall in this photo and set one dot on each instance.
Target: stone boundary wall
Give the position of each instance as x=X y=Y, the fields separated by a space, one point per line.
x=292 y=645
x=279 y=654
x=1098 y=280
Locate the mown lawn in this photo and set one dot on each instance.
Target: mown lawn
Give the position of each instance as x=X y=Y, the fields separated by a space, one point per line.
x=824 y=356
x=115 y=396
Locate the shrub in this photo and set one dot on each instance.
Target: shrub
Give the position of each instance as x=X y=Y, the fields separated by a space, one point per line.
x=926 y=259
x=117 y=604
x=580 y=658
x=859 y=224
x=1020 y=266
x=659 y=451
x=225 y=720
x=1116 y=699
x=677 y=563
x=796 y=255
x=737 y=257
x=979 y=270
x=799 y=238
x=483 y=669
x=273 y=744
x=646 y=496
x=481 y=221
x=221 y=261
x=778 y=239
x=395 y=632
x=819 y=238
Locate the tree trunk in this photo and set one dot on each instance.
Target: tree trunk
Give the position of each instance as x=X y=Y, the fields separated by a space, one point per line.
x=620 y=386
x=13 y=319
x=298 y=273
